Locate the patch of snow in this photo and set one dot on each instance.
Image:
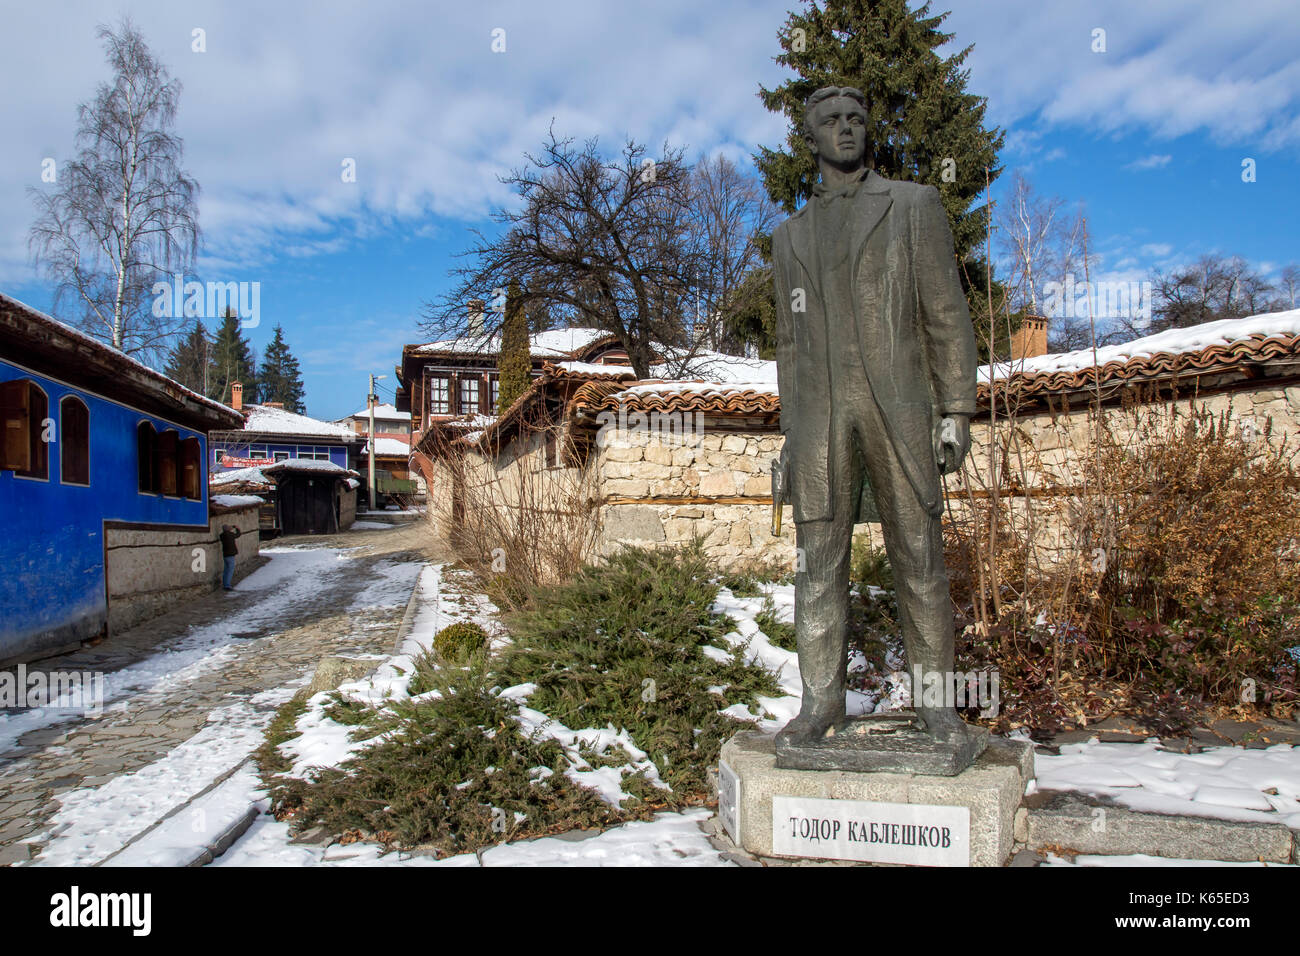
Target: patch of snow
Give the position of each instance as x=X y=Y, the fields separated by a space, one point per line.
x=235 y=501
x=1192 y=339
x=1231 y=783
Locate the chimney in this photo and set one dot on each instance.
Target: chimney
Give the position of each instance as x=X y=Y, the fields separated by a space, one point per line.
x=237 y=396
x=475 y=323
x=1030 y=339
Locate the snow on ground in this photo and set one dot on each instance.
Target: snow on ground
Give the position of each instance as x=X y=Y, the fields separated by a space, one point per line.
x=671 y=839
x=92 y=823
x=370 y=525
x=1231 y=783
x=292 y=576
x=1142 y=859
x=392 y=584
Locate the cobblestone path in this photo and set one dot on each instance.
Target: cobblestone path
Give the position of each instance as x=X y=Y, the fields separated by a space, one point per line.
x=223 y=662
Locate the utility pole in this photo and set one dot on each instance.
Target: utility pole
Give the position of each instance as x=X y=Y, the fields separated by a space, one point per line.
x=370 y=401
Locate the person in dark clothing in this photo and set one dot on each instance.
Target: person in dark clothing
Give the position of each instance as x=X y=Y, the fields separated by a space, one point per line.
x=229 y=551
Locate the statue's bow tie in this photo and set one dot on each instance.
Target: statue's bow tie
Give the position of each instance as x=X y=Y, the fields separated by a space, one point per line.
x=843 y=192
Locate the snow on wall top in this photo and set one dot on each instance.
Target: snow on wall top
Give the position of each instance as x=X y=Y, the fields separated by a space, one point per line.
x=276 y=421
x=1174 y=341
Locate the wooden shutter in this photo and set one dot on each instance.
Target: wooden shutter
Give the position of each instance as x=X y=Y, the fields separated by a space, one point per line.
x=15 y=453
x=191 y=469
x=165 y=456
x=38 y=449
x=74 y=441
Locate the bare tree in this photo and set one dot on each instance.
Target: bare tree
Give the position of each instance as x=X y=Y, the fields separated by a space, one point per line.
x=731 y=210
x=1288 y=285
x=1040 y=241
x=123 y=213
x=1211 y=288
x=605 y=242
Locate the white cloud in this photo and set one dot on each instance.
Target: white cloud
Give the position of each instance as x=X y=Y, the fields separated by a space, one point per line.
x=1154 y=161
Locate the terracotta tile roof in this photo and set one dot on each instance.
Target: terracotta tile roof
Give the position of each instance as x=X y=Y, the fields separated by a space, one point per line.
x=1209 y=349
x=676 y=396
x=1254 y=349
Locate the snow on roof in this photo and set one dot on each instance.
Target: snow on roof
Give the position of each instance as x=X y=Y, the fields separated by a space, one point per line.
x=352 y=483
x=387 y=411
x=305 y=464
x=710 y=372
x=717 y=368
x=117 y=355
x=1191 y=339
x=236 y=501
x=276 y=421
x=237 y=475
x=469 y=421
x=555 y=343
x=594 y=368
x=388 y=446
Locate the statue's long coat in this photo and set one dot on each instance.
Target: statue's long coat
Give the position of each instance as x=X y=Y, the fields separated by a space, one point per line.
x=908 y=318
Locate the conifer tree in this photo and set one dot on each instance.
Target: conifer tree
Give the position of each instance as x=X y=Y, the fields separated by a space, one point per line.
x=280 y=379
x=191 y=361
x=923 y=126
x=514 y=363
x=233 y=357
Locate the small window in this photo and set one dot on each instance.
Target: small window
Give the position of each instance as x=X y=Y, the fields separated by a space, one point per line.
x=281 y=456
x=24 y=408
x=439 y=396
x=146 y=443
x=74 y=441
x=469 y=396
x=257 y=451
x=496 y=394
x=191 y=458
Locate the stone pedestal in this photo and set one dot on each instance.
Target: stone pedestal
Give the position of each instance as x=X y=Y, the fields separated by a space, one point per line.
x=876 y=816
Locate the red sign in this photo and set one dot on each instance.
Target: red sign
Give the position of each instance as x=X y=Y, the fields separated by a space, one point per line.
x=230 y=462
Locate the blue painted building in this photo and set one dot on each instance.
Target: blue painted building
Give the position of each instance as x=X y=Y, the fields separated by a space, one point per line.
x=271 y=434
x=92 y=441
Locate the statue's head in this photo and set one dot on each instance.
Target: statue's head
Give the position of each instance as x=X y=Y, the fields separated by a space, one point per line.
x=835 y=126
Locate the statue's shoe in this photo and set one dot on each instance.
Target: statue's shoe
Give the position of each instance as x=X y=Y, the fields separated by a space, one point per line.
x=943 y=723
x=808 y=726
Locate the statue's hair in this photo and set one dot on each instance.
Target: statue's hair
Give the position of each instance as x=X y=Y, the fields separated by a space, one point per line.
x=827 y=93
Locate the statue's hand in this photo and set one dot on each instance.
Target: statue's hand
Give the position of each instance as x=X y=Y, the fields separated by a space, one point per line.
x=951 y=442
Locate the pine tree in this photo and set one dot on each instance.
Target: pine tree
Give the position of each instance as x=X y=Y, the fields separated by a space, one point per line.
x=233 y=358
x=280 y=379
x=191 y=360
x=922 y=124
x=514 y=363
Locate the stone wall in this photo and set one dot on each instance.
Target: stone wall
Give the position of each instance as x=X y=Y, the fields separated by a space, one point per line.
x=661 y=490
x=150 y=570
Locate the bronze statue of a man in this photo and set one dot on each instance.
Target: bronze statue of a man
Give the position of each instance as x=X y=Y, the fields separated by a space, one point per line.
x=876 y=365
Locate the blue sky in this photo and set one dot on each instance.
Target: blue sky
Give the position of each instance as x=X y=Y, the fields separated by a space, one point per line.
x=1149 y=136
